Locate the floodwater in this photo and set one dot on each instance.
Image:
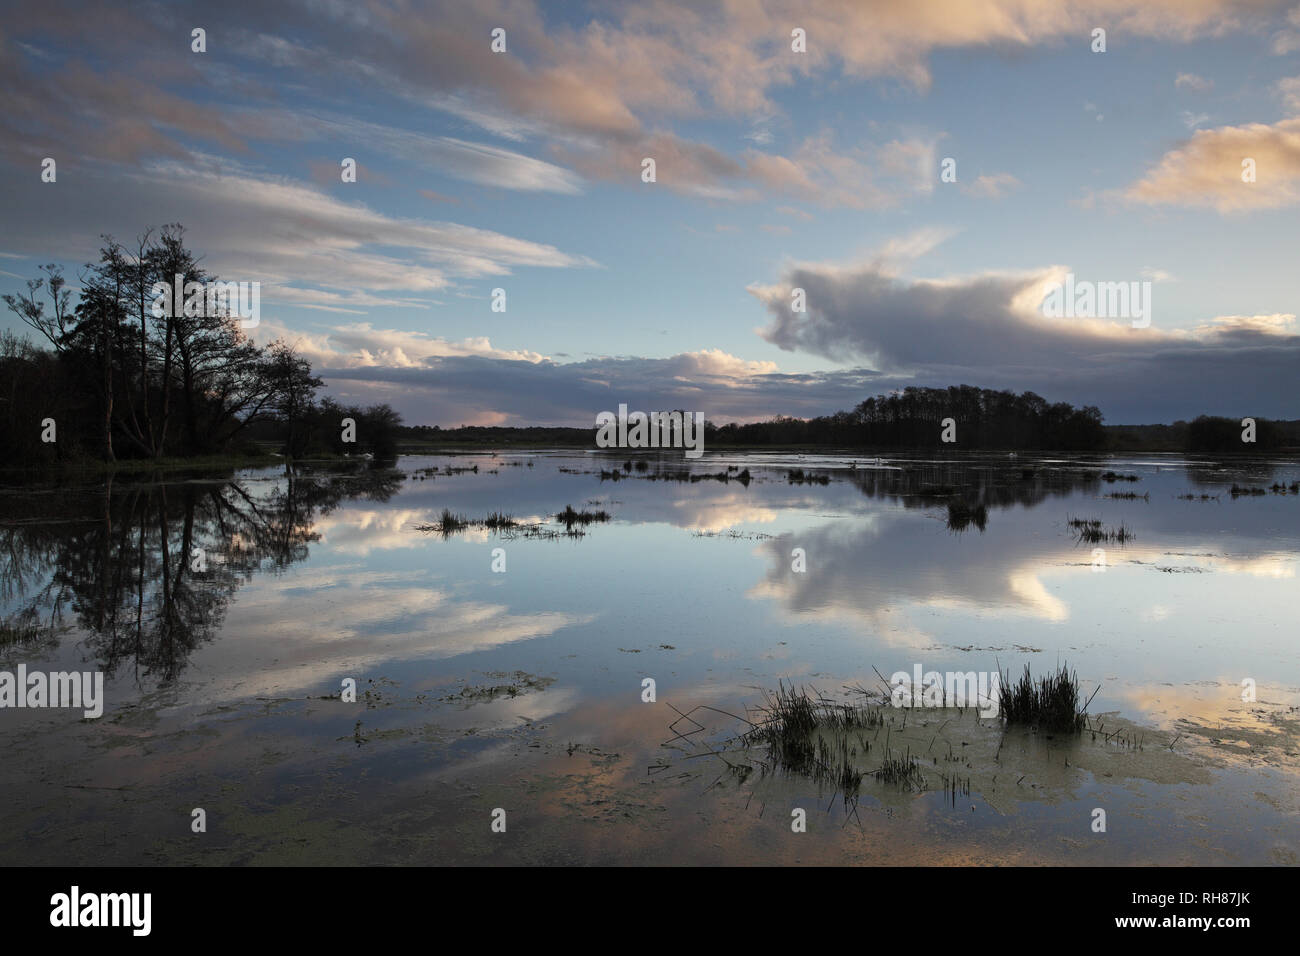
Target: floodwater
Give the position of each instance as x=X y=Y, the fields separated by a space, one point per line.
x=505 y=669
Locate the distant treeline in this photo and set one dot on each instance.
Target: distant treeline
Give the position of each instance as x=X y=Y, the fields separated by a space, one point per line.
x=124 y=378
x=913 y=418
x=1205 y=434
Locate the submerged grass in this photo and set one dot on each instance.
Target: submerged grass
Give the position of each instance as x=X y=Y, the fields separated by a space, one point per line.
x=508 y=527
x=797 y=476
x=813 y=736
x=496 y=521
x=22 y=628
x=1090 y=530
x=569 y=517
x=902 y=771
x=447 y=524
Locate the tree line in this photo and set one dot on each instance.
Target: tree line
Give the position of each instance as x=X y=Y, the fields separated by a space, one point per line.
x=116 y=376
x=915 y=417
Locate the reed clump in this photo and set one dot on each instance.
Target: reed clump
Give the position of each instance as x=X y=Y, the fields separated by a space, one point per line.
x=1238 y=491
x=797 y=476
x=1090 y=530
x=1053 y=702
x=813 y=736
x=569 y=517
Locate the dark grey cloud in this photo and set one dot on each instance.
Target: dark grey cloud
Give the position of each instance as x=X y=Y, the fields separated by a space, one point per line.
x=987 y=330
x=481 y=390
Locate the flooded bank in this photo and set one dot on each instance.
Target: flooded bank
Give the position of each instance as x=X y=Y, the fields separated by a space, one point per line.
x=500 y=660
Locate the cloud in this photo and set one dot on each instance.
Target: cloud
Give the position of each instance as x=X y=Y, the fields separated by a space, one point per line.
x=1289 y=89
x=863 y=177
x=1190 y=81
x=603 y=88
x=1206 y=170
x=795 y=213
x=1288 y=40
x=479 y=163
x=988 y=329
x=304 y=244
x=993 y=186
x=360 y=345
x=482 y=389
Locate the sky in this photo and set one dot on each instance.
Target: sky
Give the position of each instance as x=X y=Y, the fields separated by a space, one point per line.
x=922 y=171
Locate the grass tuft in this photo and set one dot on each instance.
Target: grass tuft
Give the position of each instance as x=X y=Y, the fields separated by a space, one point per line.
x=1052 y=703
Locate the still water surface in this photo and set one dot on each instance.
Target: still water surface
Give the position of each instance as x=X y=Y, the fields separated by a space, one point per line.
x=227 y=611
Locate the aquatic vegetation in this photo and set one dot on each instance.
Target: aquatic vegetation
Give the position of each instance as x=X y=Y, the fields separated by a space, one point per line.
x=446 y=525
x=797 y=476
x=1128 y=496
x=21 y=628
x=569 y=517
x=685 y=474
x=1090 y=530
x=449 y=523
x=812 y=736
x=1111 y=476
x=901 y=771
x=961 y=515
x=1048 y=703
x=1238 y=491
x=521 y=683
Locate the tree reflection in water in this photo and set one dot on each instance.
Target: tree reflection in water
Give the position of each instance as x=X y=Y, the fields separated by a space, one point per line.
x=147 y=568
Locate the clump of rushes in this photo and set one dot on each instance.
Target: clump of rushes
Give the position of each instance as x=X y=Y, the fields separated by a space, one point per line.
x=1091 y=531
x=902 y=771
x=1113 y=476
x=569 y=517
x=797 y=476
x=813 y=736
x=1048 y=703
x=448 y=524
x=1239 y=490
